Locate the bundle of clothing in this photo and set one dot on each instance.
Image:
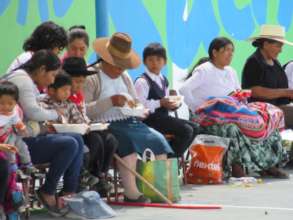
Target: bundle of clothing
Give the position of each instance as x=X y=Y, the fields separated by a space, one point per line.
x=256 y=120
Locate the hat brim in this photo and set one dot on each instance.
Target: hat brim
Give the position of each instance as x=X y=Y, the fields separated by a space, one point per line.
x=252 y=39
x=131 y=62
x=80 y=72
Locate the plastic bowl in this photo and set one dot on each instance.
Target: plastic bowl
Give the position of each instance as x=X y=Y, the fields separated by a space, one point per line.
x=71 y=128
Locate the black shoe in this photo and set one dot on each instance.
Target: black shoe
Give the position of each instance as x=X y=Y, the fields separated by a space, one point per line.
x=140 y=199
x=103 y=187
x=52 y=210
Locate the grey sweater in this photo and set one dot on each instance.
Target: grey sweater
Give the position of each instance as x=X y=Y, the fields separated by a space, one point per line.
x=92 y=90
x=28 y=96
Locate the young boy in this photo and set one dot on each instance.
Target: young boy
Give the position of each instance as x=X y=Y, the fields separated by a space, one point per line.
x=152 y=90
x=59 y=95
x=102 y=144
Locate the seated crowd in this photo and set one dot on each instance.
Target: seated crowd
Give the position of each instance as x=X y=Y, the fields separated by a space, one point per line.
x=40 y=89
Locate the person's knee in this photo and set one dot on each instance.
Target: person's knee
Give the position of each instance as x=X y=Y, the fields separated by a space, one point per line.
x=69 y=145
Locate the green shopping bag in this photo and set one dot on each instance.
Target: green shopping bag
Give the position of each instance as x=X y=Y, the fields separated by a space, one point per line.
x=163 y=175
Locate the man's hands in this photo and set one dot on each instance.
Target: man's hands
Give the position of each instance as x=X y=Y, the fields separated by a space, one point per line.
x=166 y=103
x=118 y=100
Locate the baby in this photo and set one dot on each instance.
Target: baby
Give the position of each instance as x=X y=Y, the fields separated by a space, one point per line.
x=12 y=128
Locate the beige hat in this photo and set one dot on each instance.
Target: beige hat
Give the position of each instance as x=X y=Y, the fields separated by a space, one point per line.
x=272 y=32
x=117 y=51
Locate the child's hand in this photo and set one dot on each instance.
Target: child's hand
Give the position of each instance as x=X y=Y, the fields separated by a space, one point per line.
x=166 y=103
x=23 y=133
x=50 y=128
x=8 y=148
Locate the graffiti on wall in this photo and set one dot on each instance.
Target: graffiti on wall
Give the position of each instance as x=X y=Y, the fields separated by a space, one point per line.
x=184 y=27
x=189 y=25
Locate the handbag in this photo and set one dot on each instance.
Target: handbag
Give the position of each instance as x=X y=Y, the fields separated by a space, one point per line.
x=162 y=174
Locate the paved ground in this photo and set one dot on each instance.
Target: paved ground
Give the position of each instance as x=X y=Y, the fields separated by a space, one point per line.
x=272 y=199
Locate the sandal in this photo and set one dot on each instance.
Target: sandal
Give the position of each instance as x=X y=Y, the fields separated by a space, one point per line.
x=277 y=173
x=53 y=210
x=140 y=199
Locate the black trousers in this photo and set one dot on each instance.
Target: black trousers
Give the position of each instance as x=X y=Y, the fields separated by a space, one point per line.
x=184 y=131
x=102 y=146
x=4 y=174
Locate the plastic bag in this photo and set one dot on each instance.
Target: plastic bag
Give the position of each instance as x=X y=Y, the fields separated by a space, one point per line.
x=207 y=153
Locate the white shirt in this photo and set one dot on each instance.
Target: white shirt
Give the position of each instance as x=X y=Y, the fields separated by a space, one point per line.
x=110 y=87
x=208 y=80
x=19 y=60
x=289 y=73
x=142 y=88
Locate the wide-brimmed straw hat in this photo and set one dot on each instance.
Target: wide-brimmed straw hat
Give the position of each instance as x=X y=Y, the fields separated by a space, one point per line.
x=76 y=66
x=272 y=32
x=117 y=51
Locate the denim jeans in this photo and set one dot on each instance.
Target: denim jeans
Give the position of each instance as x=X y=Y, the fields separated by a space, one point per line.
x=64 y=152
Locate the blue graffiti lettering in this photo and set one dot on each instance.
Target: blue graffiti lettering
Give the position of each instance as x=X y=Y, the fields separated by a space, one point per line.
x=237 y=22
x=186 y=33
x=136 y=22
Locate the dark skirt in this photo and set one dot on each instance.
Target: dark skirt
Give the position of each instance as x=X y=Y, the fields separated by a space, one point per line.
x=135 y=136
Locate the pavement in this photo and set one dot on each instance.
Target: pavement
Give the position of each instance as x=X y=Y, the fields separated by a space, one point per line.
x=271 y=199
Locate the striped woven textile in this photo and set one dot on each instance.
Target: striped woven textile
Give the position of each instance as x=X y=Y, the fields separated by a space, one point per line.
x=255 y=120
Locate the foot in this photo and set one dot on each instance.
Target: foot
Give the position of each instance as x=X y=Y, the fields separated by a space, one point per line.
x=277 y=173
x=49 y=202
x=237 y=171
x=140 y=199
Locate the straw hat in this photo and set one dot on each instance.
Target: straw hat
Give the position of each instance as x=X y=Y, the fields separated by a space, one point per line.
x=117 y=51
x=272 y=32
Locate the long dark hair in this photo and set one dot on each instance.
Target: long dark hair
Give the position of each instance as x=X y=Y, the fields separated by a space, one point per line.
x=47 y=35
x=40 y=58
x=199 y=62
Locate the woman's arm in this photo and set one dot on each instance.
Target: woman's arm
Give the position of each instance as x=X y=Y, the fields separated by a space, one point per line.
x=267 y=93
x=95 y=107
x=187 y=89
x=28 y=101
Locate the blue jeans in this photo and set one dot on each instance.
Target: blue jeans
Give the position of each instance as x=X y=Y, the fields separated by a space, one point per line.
x=64 y=152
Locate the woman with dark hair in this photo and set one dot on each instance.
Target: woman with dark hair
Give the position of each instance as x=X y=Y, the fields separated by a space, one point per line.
x=264 y=75
x=47 y=35
x=64 y=152
x=212 y=94
x=215 y=72
x=78 y=42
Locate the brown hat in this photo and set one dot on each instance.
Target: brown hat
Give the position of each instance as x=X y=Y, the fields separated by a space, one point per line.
x=117 y=51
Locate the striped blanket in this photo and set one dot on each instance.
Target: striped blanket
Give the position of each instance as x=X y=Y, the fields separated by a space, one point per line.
x=255 y=120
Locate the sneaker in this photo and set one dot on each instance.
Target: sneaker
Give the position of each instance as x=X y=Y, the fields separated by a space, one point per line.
x=88 y=179
x=103 y=187
x=140 y=199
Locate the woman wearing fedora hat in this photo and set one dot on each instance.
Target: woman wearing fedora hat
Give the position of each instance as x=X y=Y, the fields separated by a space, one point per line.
x=112 y=87
x=263 y=74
